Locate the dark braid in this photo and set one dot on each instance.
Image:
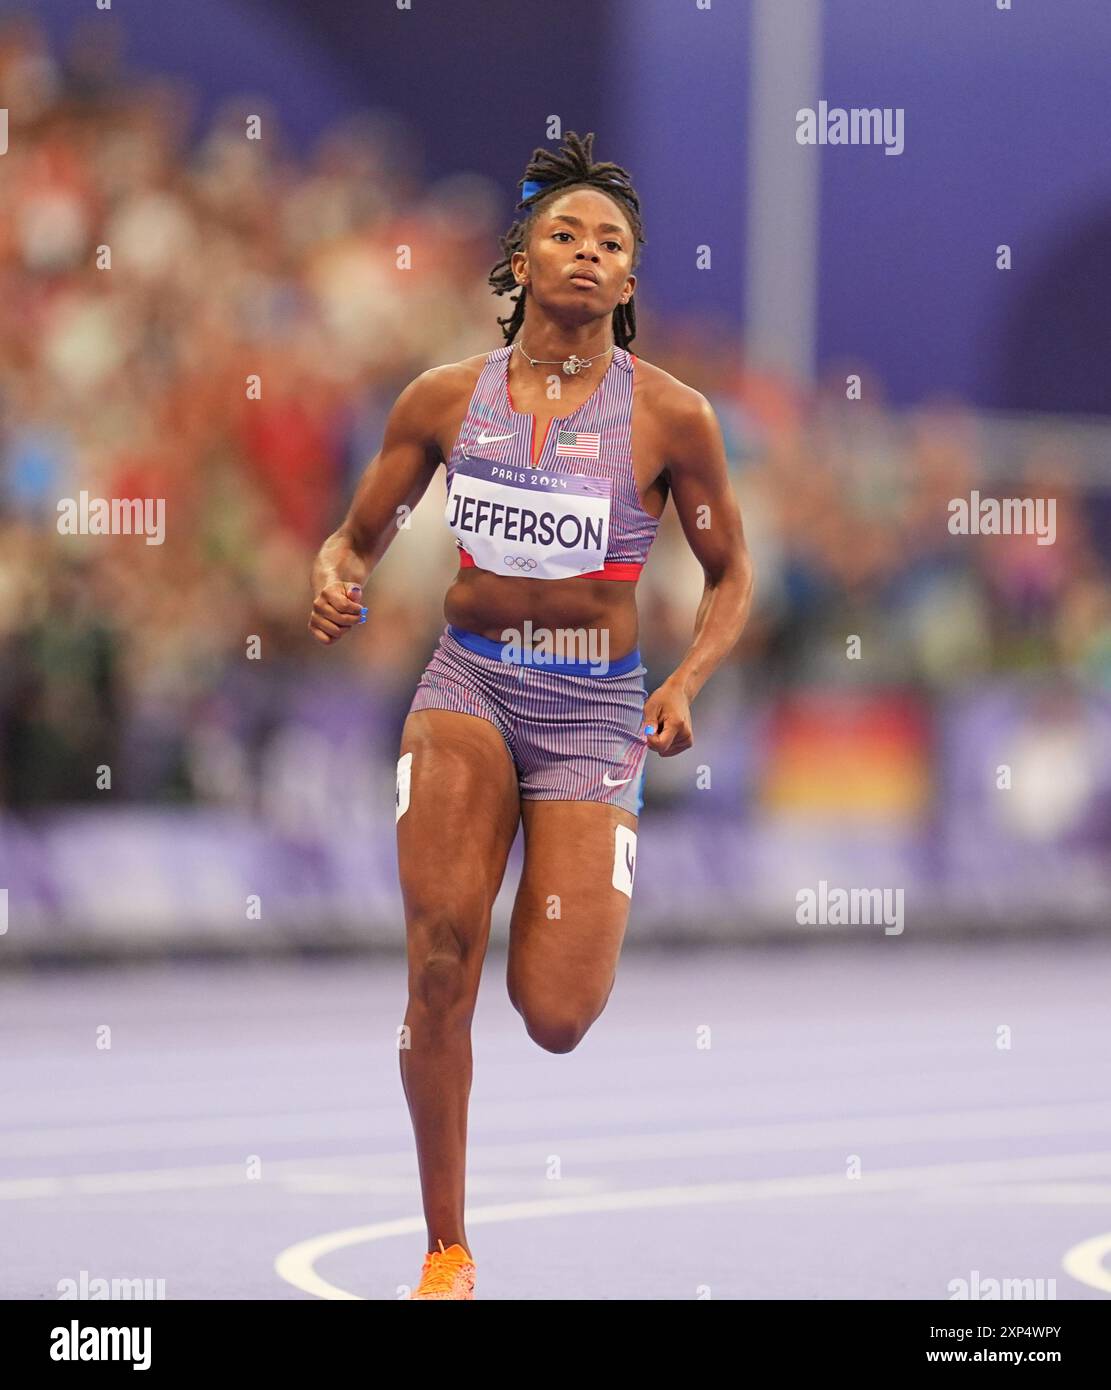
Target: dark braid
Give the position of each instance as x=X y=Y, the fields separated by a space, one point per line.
x=572 y=167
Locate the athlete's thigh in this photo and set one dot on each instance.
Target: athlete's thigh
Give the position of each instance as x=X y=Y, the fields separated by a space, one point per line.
x=569 y=919
x=458 y=811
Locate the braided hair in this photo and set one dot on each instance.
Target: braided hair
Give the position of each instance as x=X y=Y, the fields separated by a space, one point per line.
x=572 y=167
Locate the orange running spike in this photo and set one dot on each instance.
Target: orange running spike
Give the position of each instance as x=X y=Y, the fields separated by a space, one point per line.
x=446 y=1273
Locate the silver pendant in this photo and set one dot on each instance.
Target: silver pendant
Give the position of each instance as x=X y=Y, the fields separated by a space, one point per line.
x=574 y=364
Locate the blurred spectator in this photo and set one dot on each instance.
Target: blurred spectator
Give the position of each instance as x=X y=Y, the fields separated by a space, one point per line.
x=230 y=262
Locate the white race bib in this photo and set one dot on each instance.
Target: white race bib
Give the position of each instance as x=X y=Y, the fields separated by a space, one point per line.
x=526 y=521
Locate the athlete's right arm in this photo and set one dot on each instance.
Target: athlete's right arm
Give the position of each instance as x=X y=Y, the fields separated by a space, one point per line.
x=395 y=478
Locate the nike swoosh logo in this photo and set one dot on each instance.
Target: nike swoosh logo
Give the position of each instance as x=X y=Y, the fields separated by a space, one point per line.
x=485 y=438
x=610 y=782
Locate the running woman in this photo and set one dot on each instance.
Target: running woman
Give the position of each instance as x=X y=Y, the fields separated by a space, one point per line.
x=560 y=448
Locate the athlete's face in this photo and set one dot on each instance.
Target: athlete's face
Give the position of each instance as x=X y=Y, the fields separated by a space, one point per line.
x=580 y=253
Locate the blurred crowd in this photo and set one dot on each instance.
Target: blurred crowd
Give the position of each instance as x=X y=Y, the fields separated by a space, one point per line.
x=148 y=269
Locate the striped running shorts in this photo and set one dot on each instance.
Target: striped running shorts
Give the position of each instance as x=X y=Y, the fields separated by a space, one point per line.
x=572 y=735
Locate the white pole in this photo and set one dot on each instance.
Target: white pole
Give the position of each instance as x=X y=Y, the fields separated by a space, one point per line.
x=783 y=189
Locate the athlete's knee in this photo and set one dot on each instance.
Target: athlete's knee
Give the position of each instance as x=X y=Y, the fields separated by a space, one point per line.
x=442 y=968
x=558 y=1031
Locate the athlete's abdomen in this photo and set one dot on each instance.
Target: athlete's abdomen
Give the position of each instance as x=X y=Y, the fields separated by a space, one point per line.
x=489 y=604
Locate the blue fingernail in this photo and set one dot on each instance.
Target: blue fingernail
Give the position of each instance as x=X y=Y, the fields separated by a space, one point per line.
x=649 y=728
x=363 y=618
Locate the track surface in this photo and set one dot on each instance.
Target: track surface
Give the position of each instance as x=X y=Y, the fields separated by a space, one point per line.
x=643 y=1165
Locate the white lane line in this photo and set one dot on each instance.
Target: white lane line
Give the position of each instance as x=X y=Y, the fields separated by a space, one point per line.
x=347 y=1173
x=623 y=1149
x=181 y=1180
x=296 y=1264
x=1085 y=1262
x=1091 y=1194
x=199 y=1132
x=980 y=1123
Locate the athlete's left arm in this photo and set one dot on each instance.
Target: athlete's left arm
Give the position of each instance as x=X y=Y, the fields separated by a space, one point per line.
x=698 y=474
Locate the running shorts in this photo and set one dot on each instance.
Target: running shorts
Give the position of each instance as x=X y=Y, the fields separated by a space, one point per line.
x=573 y=735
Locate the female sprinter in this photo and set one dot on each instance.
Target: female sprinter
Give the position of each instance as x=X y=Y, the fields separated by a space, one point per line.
x=560 y=449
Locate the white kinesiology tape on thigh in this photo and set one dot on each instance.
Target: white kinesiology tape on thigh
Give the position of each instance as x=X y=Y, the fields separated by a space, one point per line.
x=624 y=859
x=404 y=774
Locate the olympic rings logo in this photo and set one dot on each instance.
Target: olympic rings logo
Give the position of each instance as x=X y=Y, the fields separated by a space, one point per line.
x=519 y=562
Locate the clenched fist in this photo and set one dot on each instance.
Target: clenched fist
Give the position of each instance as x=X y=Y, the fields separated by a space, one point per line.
x=336 y=608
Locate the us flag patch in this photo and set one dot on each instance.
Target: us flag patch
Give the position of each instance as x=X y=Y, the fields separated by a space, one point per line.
x=576 y=444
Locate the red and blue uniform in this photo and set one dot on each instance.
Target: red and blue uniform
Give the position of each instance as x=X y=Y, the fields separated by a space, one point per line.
x=577 y=511
x=571 y=719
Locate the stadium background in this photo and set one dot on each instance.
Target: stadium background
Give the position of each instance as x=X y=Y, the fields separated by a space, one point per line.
x=233 y=777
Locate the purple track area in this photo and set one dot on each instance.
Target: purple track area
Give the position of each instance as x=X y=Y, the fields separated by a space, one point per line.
x=642 y=1165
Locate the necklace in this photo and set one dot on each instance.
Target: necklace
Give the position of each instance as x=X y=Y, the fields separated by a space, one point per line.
x=571 y=365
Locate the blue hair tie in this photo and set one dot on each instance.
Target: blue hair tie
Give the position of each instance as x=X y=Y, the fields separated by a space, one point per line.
x=531 y=186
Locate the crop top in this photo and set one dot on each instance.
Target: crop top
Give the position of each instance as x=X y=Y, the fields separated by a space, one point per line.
x=577 y=512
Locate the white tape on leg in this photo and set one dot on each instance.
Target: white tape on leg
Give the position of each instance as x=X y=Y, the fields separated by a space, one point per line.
x=401 y=796
x=624 y=859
